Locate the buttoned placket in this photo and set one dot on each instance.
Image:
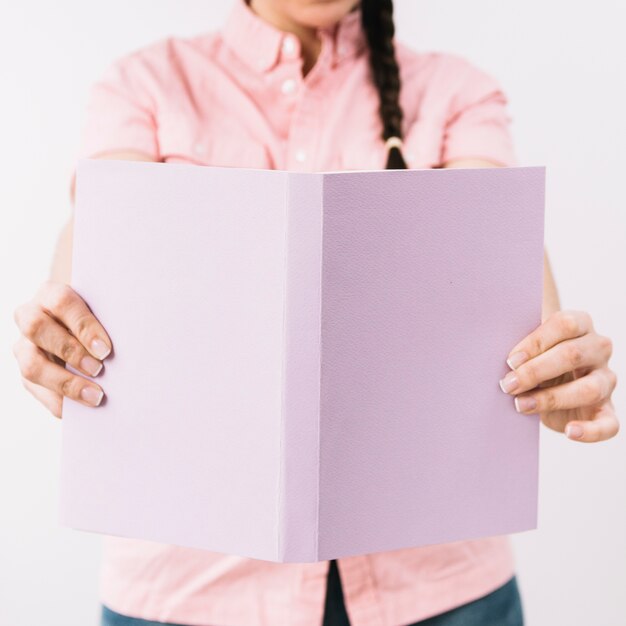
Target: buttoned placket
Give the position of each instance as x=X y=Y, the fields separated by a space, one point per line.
x=302 y=139
x=290 y=52
x=361 y=595
x=310 y=594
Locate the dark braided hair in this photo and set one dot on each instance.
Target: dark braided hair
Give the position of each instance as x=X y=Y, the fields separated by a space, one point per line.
x=379 y=29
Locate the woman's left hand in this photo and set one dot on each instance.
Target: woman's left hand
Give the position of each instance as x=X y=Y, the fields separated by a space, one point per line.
x=560 y=371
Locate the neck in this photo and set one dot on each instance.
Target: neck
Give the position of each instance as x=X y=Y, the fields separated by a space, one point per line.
x=309 y=40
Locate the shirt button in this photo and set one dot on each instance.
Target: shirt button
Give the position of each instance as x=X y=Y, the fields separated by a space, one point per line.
x=300 y=156
x=289 y=46
x=288 y=87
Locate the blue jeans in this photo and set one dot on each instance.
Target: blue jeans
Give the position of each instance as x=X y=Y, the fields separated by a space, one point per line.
x=501 y=607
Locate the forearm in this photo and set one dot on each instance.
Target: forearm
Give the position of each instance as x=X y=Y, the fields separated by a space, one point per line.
x=551 y=301
x=550 y=295
x=62 y=260
x=61 y=267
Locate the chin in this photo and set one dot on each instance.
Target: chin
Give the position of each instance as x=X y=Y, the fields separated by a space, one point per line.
x=321 y=13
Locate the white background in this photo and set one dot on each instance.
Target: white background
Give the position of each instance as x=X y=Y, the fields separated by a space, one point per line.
x=562 y=66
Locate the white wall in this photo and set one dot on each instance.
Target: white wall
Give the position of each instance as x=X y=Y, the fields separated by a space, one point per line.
x=561 y=64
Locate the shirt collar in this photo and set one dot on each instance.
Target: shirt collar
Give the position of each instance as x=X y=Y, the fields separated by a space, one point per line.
x=258 y=43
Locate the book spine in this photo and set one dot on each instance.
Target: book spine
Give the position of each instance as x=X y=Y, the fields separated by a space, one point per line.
x=299 y=474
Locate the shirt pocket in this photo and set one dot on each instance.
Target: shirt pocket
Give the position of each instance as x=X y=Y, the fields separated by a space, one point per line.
x=224 y=146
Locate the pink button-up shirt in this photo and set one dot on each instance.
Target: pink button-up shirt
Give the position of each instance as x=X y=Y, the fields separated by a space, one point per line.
x=237 y=97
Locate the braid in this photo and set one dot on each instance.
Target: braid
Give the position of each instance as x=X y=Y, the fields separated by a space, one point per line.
x=377 y=21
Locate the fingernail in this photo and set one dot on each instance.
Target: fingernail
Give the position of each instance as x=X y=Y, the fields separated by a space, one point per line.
x=92 y=395
x=516 y=359
x=509 y=382
x=90 y=365
x=99 y=348
x=574 y=431
x=525 y=403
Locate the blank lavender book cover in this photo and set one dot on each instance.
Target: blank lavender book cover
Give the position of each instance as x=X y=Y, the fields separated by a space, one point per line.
x=305 y=365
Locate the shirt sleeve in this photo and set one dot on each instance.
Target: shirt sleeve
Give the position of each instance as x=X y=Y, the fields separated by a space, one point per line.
x=478 y=122
x=120 y=112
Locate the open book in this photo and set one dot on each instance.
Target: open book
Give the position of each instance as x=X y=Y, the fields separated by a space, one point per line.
x=305 y=365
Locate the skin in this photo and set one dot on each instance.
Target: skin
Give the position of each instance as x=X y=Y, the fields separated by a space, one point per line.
x=302 y=18
x=562 y=365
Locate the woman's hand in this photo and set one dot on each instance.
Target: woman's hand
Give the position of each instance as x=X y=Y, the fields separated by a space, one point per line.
x=560 y=371
x=57 y=327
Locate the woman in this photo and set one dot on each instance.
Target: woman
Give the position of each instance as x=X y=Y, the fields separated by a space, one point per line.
x=309 y=85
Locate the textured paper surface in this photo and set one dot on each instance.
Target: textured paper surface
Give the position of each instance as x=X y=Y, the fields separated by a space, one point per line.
x=305 y=365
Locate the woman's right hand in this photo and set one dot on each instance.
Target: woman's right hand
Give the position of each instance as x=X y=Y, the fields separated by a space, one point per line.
x=57 y=327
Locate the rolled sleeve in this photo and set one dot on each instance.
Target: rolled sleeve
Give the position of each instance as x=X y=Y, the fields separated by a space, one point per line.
x=120 y=113
x=478 y=122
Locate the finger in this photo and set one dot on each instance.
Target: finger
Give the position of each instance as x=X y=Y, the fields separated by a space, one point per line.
x=37 y=368
x=588 y=390
x=45 y=332
x=51 y=400
x=603 y=426
x=64 y=304
x=559 y=326
x=587 y=351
